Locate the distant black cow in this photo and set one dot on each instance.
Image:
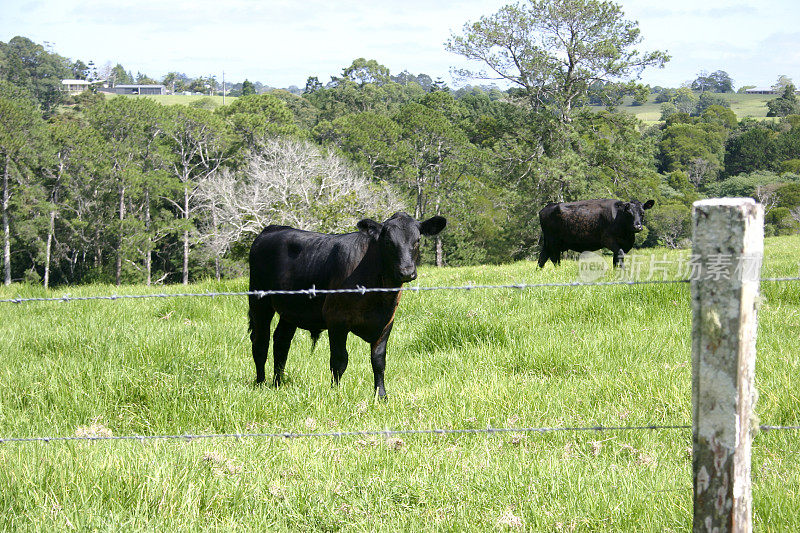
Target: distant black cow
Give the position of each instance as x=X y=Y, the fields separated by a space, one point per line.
x=378 y=255
x=590 y=225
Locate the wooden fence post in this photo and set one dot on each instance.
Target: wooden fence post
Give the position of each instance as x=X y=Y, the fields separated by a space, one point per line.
x=728 y=237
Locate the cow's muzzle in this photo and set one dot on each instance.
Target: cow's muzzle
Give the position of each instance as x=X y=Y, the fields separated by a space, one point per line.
x=637 y=228
x=408 y=275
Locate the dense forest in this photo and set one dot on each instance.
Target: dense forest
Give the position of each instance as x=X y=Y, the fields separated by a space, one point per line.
x=125 y=189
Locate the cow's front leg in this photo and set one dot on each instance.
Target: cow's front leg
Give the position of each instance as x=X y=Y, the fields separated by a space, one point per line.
x=378 y=358
x=338 y=342
x=619 y=257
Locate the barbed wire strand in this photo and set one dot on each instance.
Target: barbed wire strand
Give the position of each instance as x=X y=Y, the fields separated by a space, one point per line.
x=361 y=433
x=314 y=292
x=340 y=434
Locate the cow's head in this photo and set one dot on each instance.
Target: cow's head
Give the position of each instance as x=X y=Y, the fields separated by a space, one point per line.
x=398 y=242
x=634 y=212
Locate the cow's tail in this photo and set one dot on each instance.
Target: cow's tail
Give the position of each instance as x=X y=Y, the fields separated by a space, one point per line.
x=314 y=338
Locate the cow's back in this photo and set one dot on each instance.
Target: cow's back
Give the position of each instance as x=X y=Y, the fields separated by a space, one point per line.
x=581 y=224
x=286 y=258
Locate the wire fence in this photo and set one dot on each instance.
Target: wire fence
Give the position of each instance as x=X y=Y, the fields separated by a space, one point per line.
x=314 y=292
x=362 y=433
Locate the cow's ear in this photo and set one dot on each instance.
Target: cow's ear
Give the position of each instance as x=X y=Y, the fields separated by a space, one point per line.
x=648 y=204
x=370 y=227
x=433 y=225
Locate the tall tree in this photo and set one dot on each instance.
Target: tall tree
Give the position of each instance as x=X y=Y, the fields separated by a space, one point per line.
x=785 y=104
x=29 y=66
x=131 y=127
x=366 y=71
x=554 y=49
x=20 y=130
x=248 y=88
x=199 y=143
x=435 y=157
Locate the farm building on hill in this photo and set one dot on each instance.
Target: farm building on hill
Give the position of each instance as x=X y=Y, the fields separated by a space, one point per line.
x=74 y=86
x=135 y=89
x=760 y=90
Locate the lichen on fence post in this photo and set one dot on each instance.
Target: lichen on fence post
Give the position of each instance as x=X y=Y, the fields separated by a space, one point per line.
x=728 y=243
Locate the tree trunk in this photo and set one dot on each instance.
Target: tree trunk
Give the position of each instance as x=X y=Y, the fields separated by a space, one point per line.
x=118 y=276
x=148 y=255
x=186 y=236
x=48 y=250
x=439 y=252
x=6 y=226
x=217 y=253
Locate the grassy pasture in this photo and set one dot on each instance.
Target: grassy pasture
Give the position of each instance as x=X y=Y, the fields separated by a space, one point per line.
x=471 y=359
x=183 y=99
x=744 y=105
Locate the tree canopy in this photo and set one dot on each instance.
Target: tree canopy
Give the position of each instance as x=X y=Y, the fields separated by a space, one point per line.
x=554 y=49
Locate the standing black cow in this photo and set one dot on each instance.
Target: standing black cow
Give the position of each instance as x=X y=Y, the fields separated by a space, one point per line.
x=378 y=255
x=590 y=225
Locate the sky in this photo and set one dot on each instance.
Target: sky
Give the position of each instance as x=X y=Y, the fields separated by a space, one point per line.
x=283 y=42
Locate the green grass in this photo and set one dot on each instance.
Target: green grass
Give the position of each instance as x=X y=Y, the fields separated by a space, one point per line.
x=472 y=359
x=183 y=99
x=744 y=105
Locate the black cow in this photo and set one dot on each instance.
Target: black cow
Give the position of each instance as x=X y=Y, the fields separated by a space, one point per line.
x=590 y=225
x=378 y=255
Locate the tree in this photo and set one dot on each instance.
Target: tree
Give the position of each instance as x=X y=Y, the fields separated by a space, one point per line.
x=685 y=101
x=716 y=82
x=721 y=115
x=554 y=49
x=20 y=130
x=785 y=104
x=80 y=70
x=669 y=224
x=696 y=149
x=30 y=67
x=287 y=181
x=118 y=76
x=175 y=81
x=708 y=99
x=370 y=139
x=257 y=116
x=312 y=85
x=248 y=88
x=131 y=128
x=366 y=71
x=199 y=143
x=434 y=158
x=781 y=83
x=751 y=150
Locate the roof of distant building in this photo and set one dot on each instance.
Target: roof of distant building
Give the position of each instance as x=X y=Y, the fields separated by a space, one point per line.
x=138 y=86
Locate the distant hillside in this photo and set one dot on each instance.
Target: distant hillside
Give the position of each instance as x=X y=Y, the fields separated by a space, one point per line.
x=744 y=105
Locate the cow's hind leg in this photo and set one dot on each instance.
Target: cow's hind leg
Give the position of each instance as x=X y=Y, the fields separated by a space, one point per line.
x=282 y=340
x=554 y=253
x=261 y=313
x=543 y=257
x=338 y=342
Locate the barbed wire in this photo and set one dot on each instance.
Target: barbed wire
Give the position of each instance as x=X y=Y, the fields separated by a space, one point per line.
x=314 y=292
x=362 y=433
x=341 y=434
